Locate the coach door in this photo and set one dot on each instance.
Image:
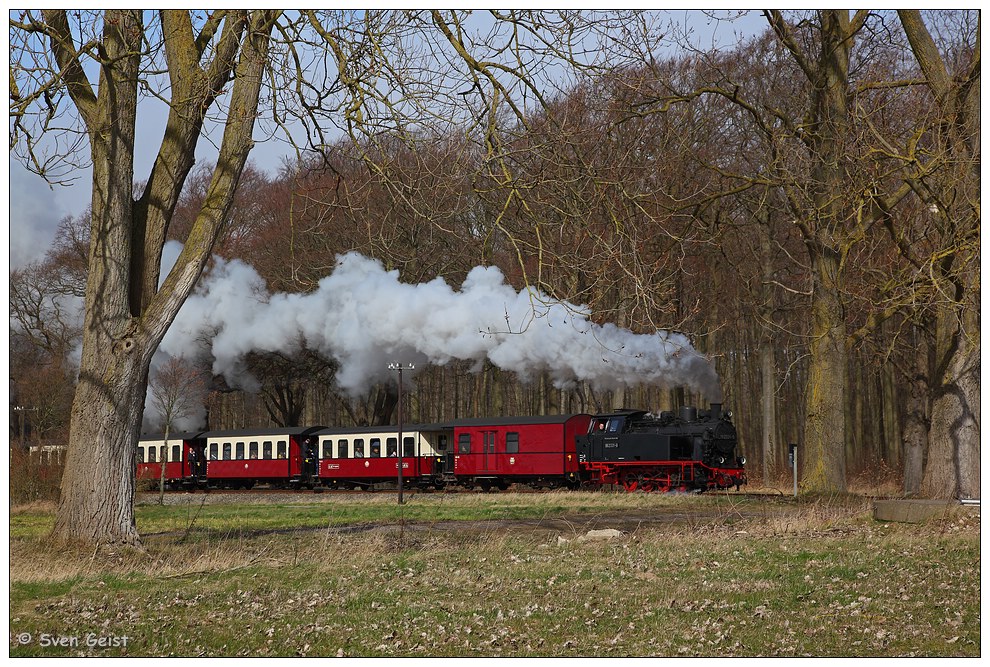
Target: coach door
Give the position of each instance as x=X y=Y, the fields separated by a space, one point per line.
x=310 y=460
x=197 y=460
x=489 y=461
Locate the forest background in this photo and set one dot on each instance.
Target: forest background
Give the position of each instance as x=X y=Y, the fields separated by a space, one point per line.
x=804 y=204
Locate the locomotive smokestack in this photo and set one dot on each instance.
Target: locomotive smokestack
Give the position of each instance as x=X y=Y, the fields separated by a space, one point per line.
x=716 y=411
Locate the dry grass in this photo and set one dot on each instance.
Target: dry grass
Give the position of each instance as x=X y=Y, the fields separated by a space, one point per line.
x=731 y=576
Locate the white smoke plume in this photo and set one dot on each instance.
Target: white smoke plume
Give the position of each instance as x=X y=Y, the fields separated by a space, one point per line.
x=363 y=317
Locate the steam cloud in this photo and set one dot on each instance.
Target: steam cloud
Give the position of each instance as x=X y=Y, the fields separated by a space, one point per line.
x=364 y=317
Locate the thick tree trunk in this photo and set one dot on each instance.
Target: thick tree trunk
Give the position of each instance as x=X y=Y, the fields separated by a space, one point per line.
x=953 y=468
x=952 y=178
x=96 y=503
x=97 y=493
x=824 y=223
x=825 y=426
x=914 y=436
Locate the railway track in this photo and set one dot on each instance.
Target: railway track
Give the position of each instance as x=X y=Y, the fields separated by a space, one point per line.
x=296 y=493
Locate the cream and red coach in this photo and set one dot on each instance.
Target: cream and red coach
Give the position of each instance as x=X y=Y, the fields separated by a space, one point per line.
x=277 y=456
x=182 y=454
x=363 y=456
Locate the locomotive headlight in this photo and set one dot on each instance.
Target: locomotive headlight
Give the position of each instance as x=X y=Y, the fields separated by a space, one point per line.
x=742 y=460
x=728 y=414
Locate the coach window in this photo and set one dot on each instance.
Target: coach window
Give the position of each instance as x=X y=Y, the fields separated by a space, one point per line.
x=359 y=448
x=464 y=443
x=511 y=443
x=441 y=443
x=253 y=450
x=140 y=454
x=226 y=451
x=409 y=446
x=341 y=449
x=176 y=453
x=239 y=451
x=327 y=449
x=391 y=447
x=281 y=449
x=213 y=451
x=376 y=448
x=152 y=454
x=266 y=449
x=162 y=453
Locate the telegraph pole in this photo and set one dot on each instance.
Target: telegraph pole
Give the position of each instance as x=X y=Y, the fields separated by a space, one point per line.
x=396 y=366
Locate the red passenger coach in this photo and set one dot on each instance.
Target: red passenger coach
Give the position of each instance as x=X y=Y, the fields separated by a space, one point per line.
x=277 y=455
x=496 y=452
x=182 y=454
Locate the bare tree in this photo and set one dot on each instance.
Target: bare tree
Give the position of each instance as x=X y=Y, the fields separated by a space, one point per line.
x=947 y=181
x=54 y=55
x=177 y=392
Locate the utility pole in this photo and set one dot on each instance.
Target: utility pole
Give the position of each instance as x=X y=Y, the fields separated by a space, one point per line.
x=396 y=366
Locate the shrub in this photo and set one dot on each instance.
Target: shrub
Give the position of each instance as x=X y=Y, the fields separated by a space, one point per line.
x=35 y=475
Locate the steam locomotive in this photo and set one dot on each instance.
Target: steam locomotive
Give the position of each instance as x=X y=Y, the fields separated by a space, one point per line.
x=688 y=450
x=673 y=451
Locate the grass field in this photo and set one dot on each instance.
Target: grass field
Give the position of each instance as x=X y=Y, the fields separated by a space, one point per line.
x=503 y=575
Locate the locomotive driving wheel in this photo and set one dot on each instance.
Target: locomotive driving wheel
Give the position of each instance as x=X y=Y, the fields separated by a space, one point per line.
x=662 y=485
x=630 y=481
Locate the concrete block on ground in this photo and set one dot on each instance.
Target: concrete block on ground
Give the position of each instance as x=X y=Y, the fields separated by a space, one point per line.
x=919 y=511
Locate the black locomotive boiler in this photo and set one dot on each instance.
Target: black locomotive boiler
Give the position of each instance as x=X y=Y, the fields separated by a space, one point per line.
x=689 y=450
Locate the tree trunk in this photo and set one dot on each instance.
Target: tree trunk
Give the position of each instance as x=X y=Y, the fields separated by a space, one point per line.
x=97 y=500
x=892 y=453
x=953 y=194
x=768 y=361
x=915 y=433
x=953 y=468
x=824 y=214
x=96 y=503
x=825 y=425
x=769 y=413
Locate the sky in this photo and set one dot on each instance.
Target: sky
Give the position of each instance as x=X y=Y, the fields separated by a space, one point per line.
x=35 y=208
